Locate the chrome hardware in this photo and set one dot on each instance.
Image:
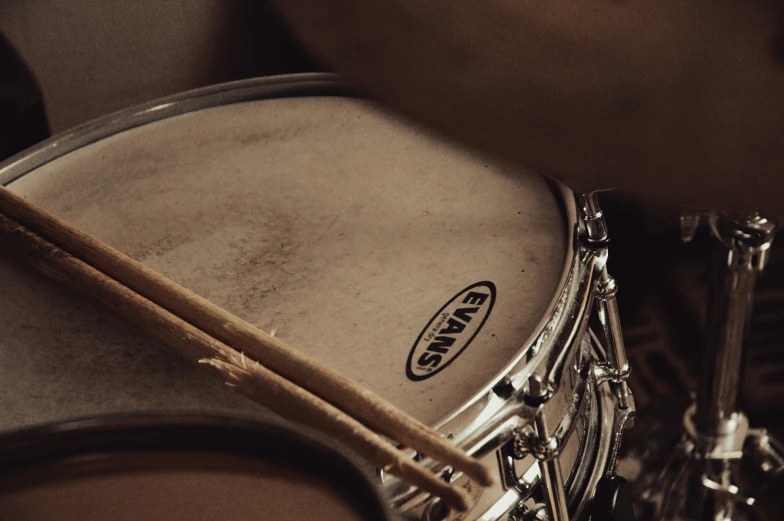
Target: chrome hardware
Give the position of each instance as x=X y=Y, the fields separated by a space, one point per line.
x=489 y=421
x=691 y=219
x=725 y=445
x=550 y=470
x=700 y=478
x=595 y=225
x=537 y=389
x=618 y=369
x=437 y=511
x=515 y=449
x=539 y=441
x=740 y=255
x=545 y=448
x=523 y=513
x=527 y=444
x=767 y=452
x=559 y=369
x=727 y=491
x=504 y=388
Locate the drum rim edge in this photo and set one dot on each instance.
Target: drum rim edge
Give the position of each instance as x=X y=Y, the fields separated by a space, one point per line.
x=57 y=443
x=282 y=86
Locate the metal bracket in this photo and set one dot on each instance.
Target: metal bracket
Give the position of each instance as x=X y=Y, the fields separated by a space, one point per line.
x=727 y=492
x=617 y=368
x=545 y=447
x=766 y=451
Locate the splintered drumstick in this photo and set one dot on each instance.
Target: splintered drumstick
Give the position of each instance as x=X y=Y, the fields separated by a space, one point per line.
x=246 y=376
x=322 y=381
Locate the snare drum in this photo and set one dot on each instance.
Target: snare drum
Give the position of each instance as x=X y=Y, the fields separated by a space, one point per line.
x=440 y=280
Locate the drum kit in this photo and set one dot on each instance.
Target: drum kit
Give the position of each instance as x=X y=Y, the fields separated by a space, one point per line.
x=472 y=293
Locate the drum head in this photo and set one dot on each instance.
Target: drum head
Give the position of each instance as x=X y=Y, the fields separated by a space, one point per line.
x=179 y=468
x=395 y=258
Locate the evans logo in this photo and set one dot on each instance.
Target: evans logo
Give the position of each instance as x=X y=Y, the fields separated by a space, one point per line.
x=450 y=331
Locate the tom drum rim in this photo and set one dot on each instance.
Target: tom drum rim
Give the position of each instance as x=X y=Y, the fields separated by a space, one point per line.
x=121 y=444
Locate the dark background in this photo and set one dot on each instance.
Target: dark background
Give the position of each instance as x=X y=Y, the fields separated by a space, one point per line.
x=91 y=58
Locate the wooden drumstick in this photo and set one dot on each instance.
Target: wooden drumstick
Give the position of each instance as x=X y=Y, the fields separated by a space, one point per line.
x=322 y=381
x=248 y=377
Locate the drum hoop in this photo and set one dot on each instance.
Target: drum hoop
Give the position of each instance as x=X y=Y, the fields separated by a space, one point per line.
x=563 y=324
x=273 y=87
x=102 y=437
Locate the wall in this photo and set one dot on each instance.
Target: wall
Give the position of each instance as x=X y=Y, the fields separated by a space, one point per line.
x=93 y=57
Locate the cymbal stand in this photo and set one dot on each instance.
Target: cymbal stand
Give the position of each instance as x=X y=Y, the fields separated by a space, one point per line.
x=702 y=479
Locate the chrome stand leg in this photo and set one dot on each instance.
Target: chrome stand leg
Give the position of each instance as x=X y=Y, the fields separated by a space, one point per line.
x=741 y=252
x=700 y=480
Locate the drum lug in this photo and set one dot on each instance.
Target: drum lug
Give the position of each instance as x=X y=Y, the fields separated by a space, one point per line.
x=617 y=368
x=550 y=470
x=545 y=448
x=537 y=441
x=591 y=212
x=606 y=372
x=514 y=449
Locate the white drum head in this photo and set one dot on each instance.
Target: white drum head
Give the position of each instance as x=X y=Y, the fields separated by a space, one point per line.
x=345 y=231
